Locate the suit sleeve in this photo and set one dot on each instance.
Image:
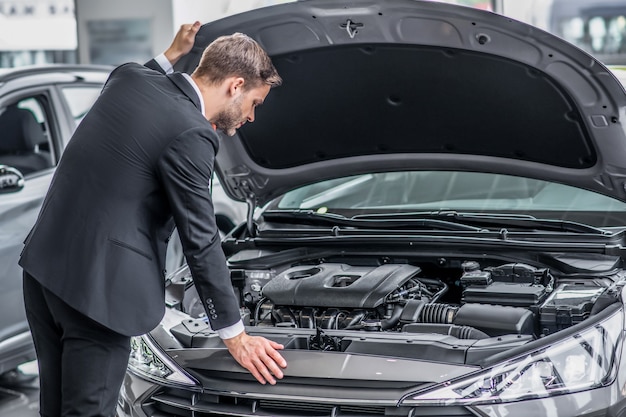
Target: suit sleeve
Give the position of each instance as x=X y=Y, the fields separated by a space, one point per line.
x=161 y=64
x=185 y=168
x=154 y=65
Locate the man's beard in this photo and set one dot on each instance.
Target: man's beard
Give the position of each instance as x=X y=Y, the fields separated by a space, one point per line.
x=229 y=119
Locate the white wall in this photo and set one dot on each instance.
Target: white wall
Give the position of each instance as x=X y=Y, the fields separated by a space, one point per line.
x=165 y=17
x=29 y=29
x=157 y=12
x=208 y=10
x=534 y=12
x=26 y=33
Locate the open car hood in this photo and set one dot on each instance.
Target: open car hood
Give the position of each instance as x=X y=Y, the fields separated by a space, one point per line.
x=400 y=85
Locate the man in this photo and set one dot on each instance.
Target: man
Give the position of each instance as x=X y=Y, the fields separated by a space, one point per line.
x=139 y=164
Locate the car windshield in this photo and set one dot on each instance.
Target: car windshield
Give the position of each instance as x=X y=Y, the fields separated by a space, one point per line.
x=436 y=191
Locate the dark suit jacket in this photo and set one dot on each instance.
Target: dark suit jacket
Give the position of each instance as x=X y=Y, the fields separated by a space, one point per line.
x=141 y=157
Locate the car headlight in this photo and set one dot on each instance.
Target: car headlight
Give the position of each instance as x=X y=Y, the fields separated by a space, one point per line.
x=148 y=361
x=583 y=361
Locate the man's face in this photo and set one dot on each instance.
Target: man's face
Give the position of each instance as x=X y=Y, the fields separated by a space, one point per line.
x=241 y=109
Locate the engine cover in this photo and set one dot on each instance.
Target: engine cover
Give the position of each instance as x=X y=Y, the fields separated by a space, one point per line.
x=337 y=285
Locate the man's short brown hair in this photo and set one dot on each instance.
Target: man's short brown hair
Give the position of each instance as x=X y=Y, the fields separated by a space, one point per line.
x=237 y=55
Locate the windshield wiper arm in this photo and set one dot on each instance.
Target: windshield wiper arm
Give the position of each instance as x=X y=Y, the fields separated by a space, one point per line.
x=375 y=223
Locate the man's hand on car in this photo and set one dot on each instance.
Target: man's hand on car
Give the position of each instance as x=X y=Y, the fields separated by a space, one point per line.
x=258 y=355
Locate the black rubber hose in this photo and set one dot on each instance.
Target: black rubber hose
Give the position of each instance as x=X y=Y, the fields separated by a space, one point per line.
x=392 y=321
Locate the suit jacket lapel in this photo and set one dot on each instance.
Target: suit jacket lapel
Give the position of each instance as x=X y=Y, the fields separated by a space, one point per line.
x=183 y=85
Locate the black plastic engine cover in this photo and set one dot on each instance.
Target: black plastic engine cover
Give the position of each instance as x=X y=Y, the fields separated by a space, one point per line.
x=337 y=285
x=495 y=320
x=506 y=294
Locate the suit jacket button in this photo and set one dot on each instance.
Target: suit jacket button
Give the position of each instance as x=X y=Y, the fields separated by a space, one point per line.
x=210 y=305
x=213 y=316
x=212 y=311
x=209 y=300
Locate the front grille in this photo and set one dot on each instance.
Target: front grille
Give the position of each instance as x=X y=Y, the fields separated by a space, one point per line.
x=322 y=409
x=180 y=403
x=177 y=403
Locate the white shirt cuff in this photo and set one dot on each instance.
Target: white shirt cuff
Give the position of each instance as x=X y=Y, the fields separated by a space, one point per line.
x=231 y=331
x=164 y=63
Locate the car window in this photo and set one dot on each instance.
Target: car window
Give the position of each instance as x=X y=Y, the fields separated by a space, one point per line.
x=34 y=106
x=598 y=27
x=458 y=191
x=25 y=141
x=80 y=100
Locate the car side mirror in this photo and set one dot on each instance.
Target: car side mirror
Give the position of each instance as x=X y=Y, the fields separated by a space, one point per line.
x=11 y=179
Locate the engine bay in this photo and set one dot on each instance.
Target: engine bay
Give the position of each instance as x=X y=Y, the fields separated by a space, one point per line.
x=457 y=310
x=510 y=298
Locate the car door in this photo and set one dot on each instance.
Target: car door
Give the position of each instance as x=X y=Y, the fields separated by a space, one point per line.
x=50 y=115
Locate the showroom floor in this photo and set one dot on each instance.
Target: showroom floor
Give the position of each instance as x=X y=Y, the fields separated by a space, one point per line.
x=20 y=398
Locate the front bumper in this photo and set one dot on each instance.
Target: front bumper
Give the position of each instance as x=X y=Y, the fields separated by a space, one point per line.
x=140 y=398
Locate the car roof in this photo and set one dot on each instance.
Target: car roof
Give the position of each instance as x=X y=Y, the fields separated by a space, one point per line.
x=52 y=72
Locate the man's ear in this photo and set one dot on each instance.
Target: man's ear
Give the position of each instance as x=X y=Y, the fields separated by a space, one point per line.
x=236 y=85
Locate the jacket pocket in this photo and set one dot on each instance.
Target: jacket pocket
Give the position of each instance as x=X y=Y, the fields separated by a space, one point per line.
x=129 y=247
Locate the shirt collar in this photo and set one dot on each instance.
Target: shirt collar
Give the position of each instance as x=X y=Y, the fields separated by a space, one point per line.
x=197 y=89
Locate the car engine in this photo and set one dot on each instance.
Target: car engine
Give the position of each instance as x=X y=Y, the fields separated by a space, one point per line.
x=448 y=309
x=513 y=298
x=340 y=296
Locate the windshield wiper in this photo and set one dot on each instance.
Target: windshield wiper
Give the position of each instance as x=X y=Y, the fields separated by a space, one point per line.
x=522 y=221
x=332 y=219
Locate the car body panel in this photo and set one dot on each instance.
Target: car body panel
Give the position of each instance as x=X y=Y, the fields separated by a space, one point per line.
x=411 y=49
x=36 y=88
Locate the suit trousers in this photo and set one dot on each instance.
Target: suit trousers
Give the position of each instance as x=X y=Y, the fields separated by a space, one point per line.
x=81 y=363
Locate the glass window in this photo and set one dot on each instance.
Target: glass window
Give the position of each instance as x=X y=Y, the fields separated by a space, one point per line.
x=25 y=142
x=457 y=191
x=596 y=26
x=34 y=106
x=80 y=100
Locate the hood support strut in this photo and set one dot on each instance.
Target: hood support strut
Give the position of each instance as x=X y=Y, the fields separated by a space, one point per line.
x=251 y=203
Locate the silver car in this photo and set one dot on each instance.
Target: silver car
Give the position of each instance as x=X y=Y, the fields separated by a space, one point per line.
x=39 y=109
x=440 y=225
